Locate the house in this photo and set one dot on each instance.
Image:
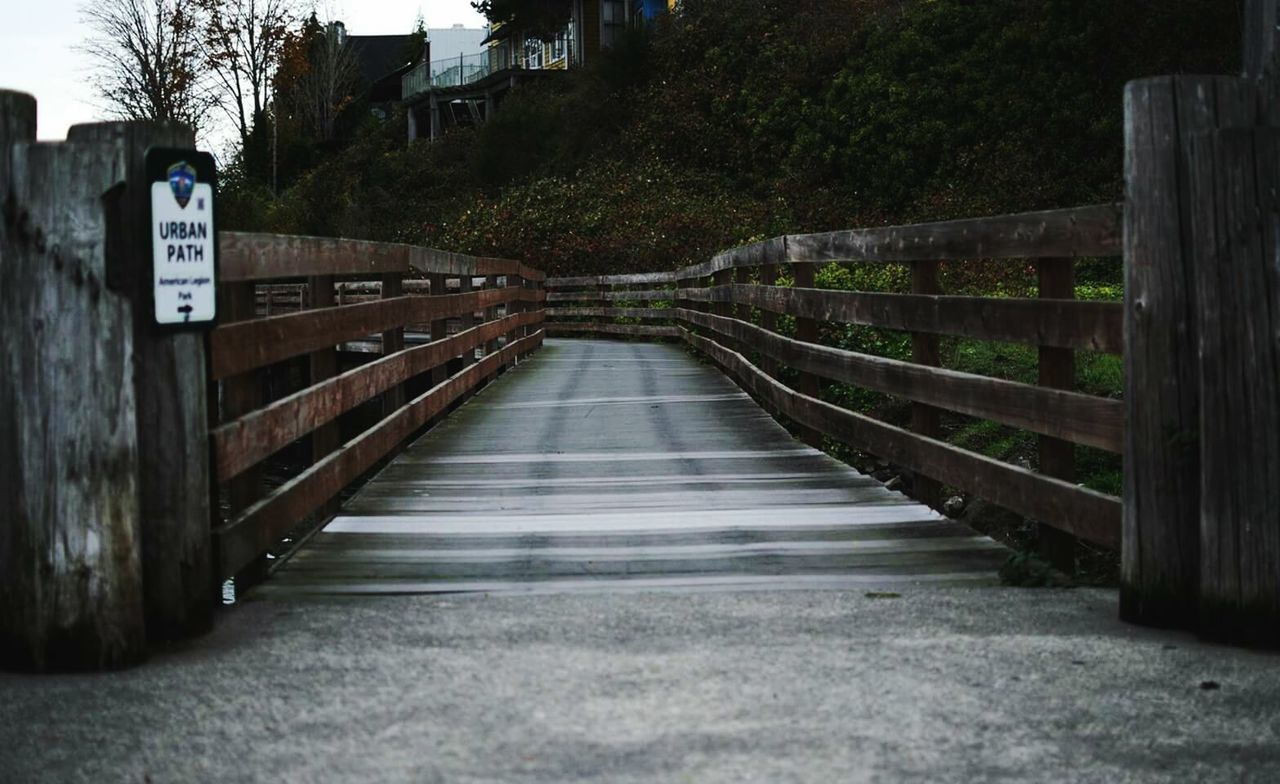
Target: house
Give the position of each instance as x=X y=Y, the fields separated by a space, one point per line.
x=441 y=93
x=381 y=60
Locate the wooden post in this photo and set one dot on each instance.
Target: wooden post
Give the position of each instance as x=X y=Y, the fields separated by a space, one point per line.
x=807 y=331
x=468 y=320
x=322 y=366
x=174 y=470
x=1261 y=37
x=1235 y=224
x=602 y=302
x=490 y=314
x=742 y=312
x=769 y=319
x=439 y=328
x=925 y=419
x=514 y=307
x=240 y=395
x=393 y=341
x=1160 y=560
x=71 y=596
x=724 y=278
x=1057 y=370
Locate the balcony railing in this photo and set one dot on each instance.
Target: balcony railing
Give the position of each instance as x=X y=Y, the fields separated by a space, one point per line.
x=452 y=72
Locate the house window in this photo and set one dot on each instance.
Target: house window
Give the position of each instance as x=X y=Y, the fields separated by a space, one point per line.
x=532 y=53
x=613 y=20
x=558 y=48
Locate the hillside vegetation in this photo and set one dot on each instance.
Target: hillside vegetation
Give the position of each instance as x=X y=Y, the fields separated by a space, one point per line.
x=739 y=119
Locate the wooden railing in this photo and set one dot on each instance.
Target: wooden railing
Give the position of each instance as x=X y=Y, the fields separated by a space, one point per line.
x=285 y=298
x=728 y=309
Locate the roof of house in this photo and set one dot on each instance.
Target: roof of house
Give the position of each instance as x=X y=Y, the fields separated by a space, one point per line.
x=379 y=55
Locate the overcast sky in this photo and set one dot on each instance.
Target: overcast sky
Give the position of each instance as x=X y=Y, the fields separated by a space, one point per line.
x=38 y=40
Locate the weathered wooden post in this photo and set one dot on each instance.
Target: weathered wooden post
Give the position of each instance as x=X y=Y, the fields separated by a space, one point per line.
x=240 y=395
x=769 y=319
x=468 y=319
x=439 y=327
x=1160 y=566
x=926 y=419
x=173 y=410
x=515 y=283
x=1233 y=178
x=491 y=314
x=1235 y=229
x=392 y=342
x=1191 y=236
x=804 y=277
x=71 y=595
x=1261 y=38
x=1057 y=369
x=722 y=280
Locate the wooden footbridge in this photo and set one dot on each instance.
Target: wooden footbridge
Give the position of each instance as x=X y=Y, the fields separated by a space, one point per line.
x=619 y=466
x=381 y=418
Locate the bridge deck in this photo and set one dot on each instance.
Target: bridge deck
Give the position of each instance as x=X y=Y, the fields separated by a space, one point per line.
x=604 y=465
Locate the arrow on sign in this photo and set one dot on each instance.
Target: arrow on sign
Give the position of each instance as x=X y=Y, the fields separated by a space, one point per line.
x=185 y=310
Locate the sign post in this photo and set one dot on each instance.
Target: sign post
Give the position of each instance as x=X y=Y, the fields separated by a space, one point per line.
x=184 y=247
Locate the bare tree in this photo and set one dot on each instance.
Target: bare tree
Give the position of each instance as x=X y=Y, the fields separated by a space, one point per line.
x=148 y=59
x=242 y=44
x=319 y=78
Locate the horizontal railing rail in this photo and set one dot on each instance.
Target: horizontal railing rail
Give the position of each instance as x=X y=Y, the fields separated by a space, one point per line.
x=444 y=323
x=731 y=309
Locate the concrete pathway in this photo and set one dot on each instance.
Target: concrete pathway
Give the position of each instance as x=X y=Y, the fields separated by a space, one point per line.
x=939 y=685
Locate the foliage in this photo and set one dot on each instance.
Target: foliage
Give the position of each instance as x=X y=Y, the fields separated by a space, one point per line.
x=146 y=64
x=316 y=80
x=415 y=44
x=643 y=216
x=542 y=18
x=243 y=42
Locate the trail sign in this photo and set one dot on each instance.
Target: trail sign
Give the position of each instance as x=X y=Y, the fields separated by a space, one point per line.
x=184 y=245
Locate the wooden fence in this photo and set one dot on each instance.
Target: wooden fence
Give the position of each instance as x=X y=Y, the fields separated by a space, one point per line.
x=474 y=316
x=728 y=308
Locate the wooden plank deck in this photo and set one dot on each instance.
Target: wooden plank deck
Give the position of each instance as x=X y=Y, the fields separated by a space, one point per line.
x=601 y=465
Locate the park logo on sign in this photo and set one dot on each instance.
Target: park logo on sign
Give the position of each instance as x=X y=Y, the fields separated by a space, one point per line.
x=182 y=181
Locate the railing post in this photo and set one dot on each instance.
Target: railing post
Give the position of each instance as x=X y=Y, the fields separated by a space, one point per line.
x=742 y=311
x=1160 y=568
x=804 y=276
x=491 y=313
x=769 y=319
x=393 y=341
x=925 y=419
x=515 y=285
x=439 y=327
x=723 y=307
x=1057 y=369
x=1261 y=37
x=1235 y=228
x=537 y=286
x=323 y=365
x=602 y=290
x=240 y=395
x=467 y=320
x=70 y=544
